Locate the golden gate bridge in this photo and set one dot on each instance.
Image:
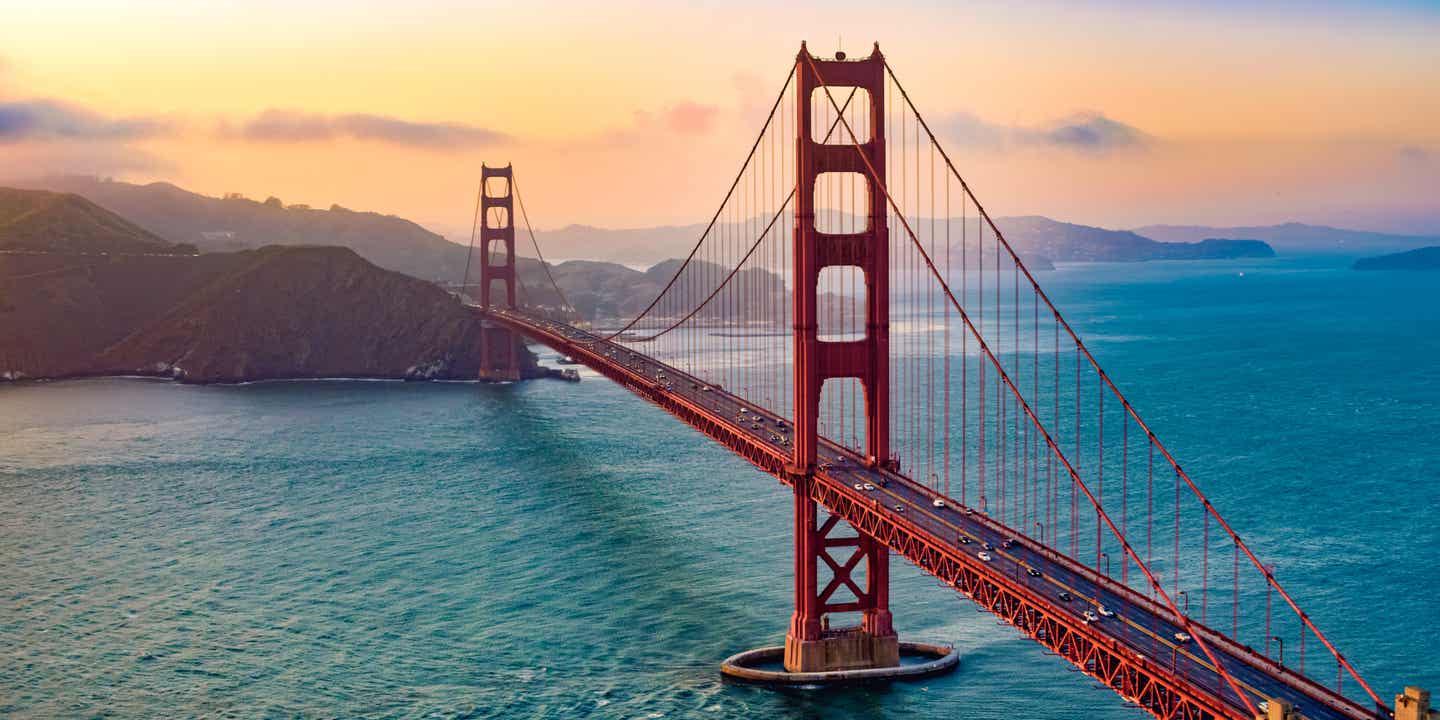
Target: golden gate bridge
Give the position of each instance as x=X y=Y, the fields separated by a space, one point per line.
x=852 y=322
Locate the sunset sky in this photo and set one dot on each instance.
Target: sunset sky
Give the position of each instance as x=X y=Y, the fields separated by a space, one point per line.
x=627 y=114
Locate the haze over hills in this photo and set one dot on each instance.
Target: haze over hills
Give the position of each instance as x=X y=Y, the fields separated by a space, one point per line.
x=606 y=292
x=233 y=223
x=1039 y=240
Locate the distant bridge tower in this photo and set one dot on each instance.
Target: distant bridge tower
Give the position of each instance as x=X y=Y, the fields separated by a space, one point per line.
x=499 y=348
x=810 y=645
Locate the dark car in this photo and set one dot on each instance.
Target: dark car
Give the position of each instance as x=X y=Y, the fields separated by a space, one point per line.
x=1032 y=572
x=1065 y=596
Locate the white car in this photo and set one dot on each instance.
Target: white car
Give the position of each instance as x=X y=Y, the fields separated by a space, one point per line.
x=1182 y=637
x=869 y=486
x=859 y=486
x=938 y=503
x=1090 y=617
x=984 y=556
x=1104 y=611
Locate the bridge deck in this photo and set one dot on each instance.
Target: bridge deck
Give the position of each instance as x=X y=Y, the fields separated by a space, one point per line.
x=1134 y=652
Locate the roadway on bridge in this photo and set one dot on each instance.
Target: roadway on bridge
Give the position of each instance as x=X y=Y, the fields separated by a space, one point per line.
x=1143 y=626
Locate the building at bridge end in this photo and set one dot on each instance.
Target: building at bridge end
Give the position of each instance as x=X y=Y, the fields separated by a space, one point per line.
x=1414 y=704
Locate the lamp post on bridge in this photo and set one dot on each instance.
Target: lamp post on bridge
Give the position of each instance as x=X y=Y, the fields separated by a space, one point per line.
x=1041 y=527
x=1281 y=642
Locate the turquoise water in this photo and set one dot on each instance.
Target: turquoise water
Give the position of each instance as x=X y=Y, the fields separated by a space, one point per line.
x=342 y=549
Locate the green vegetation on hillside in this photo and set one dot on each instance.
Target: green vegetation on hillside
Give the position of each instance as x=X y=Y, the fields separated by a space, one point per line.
x=41 y=221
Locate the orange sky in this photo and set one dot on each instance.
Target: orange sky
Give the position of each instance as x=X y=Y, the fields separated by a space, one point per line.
x=628 y=113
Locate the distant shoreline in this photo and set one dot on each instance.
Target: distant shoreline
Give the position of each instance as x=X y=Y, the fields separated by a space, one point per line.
x=551 y=373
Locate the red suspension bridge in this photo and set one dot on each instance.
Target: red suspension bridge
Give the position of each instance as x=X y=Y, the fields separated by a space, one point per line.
x=852 y=322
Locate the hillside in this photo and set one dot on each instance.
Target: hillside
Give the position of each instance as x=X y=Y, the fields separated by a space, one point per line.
x=227 y=224
x=1294 y=237
x=603 y=291
x=275 y=312
x=41 y=221
x=1425 y=258
x=1036 y=235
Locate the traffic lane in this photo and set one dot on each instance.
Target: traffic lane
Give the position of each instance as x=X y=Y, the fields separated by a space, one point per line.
x=1012 y=564
x=1086 y=596
x=1153 y=631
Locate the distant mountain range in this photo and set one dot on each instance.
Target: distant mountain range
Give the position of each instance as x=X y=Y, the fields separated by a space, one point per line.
x=1296 y=237
x=1038 y=240
x=603 y=280
x=218 y=224
x=1040 y=236
x=100 y=277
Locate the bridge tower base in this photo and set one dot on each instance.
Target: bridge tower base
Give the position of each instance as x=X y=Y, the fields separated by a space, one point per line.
x=811 y=645
x=499 y=348
x=499 y=354
x=1414 y=704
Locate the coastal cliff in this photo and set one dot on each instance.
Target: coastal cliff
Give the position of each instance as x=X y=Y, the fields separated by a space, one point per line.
x=272 y=313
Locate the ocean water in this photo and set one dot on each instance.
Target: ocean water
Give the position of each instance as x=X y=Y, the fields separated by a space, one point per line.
x=550 y=550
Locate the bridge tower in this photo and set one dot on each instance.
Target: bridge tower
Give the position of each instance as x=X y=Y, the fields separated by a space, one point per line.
x=810 y=645
x=499 y=348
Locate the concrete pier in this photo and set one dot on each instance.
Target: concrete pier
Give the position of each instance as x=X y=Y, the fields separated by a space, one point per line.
x=745 y=667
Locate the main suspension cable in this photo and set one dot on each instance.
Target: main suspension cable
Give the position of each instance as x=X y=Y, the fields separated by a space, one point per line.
x=713 y=219
x=1130 y=409
x=564 y=304
x=474 y=225
x=1025 y=405
x=755 y=245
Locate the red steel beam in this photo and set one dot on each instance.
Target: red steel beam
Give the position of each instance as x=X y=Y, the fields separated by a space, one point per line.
x=1139 y=680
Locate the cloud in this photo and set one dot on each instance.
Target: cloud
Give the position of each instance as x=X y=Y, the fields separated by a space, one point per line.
x=1082 y=132
x=686 y=117
x=28 y=162
x=754 y=94
x=54 y=120
x=1413 y=154
x=690 y=118
x=1092 y=132
x=293 y=127
x=969 y=129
